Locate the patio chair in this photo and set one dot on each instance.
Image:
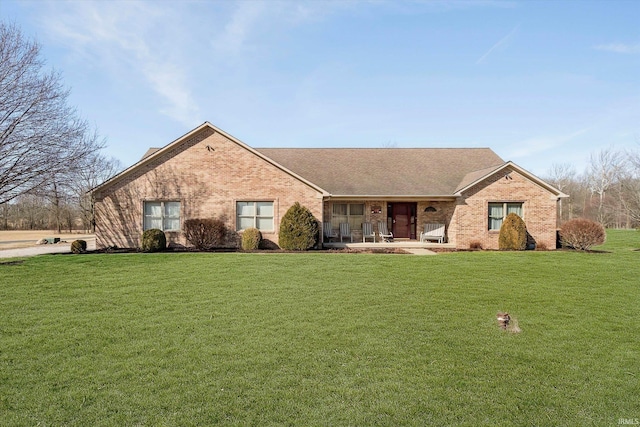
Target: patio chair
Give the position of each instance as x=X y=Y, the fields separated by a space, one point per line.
x=329 y=233
x=433 y=232
x=383 y=231
x=367 y=232
x=345 y=231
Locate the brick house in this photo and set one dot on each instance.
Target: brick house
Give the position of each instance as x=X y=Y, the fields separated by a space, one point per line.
x=209 y=173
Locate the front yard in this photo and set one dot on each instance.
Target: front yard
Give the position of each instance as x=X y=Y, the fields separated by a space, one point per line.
x=321 y=338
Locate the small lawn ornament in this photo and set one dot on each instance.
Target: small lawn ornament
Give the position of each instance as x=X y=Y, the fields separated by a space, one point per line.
x=503 y=320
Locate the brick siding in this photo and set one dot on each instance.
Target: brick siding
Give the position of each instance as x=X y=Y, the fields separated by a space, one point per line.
x=470 y=218
x=466 y=220
x=208 y=174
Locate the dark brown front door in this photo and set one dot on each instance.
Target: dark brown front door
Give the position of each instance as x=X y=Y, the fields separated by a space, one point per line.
x=403 y=220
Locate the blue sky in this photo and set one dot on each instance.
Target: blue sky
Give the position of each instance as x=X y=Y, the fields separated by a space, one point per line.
x=540 y=82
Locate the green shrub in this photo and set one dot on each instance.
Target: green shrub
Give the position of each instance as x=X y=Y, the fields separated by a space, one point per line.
x=78 y=246
x=513 y=234
x=298 y=229
x=154 y=240
x=251 y=238
x=582 y=234
x=205 y=233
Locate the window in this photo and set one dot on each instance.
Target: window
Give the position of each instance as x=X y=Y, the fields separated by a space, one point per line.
x=347 y=212
x=254 y=214
x=162 y=215
x=498 y=211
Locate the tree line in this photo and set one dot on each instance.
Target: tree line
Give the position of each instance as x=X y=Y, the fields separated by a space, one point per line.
x=63 y=202
x=49 y=155
x=607 y=191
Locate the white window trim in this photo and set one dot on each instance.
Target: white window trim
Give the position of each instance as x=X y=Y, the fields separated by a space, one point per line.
x=162 y=216
x=504 y=211
x=255 y=216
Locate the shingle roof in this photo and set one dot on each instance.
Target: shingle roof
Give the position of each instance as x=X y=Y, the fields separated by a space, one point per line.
x=367 y=172
x=149 y=152
x=386 y=171
x=472 y=177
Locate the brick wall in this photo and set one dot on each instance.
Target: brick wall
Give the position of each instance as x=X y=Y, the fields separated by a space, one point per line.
x=470 y=218
x=208 y=174
x=443 y=214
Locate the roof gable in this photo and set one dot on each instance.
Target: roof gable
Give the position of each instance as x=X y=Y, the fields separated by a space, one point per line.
x=476 y=177
x=149 y=152
x=154 y=154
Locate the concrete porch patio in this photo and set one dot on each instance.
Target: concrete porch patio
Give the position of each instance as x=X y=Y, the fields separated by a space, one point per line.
x=397 y=243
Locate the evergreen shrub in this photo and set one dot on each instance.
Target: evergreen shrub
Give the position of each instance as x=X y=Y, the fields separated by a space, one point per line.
x=78 y=246
x=513 y=234
x=251 y=238
x=298 y=229
x=154 y=240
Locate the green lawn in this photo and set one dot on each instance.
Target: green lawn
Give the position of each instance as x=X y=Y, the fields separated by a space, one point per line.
x=322 y=339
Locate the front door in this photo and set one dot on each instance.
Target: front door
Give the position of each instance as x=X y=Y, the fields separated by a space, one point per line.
x=403 y=215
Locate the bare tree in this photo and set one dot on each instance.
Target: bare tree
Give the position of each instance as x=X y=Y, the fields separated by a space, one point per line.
x=95 y=170
x=5 y=211
x=632 y=185
x=29 y=213
x=605 y=168
x=40 y=134
x=563 y=177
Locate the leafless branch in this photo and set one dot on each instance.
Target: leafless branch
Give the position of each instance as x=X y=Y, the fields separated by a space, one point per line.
x=41 y=136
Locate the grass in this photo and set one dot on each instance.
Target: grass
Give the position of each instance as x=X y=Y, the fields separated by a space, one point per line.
x=621 y=241
x=321 y=339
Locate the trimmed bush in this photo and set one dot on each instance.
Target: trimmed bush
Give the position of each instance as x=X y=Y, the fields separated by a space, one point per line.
x=153 y=240
x=513 y=234
x=475 y=245
x=298 y=229
x=582 y=234
x=205 y=233
x=251 y=238
x=78 y=246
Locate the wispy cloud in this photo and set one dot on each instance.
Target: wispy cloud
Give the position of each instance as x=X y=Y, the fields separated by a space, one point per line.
x=123 y=38
x=442 y=5
x=249 y=21
x=243 y=19
x=534 y=145
x=503 y=42
x=619 y=48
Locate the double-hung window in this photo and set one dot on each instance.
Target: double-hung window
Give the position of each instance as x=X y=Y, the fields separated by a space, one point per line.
x=351 y=213
x=162 y=215
x=498 y=212
x=254 y=214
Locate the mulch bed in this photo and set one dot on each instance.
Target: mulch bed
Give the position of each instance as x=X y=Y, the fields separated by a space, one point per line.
x=266 y=251
x=18 y=262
